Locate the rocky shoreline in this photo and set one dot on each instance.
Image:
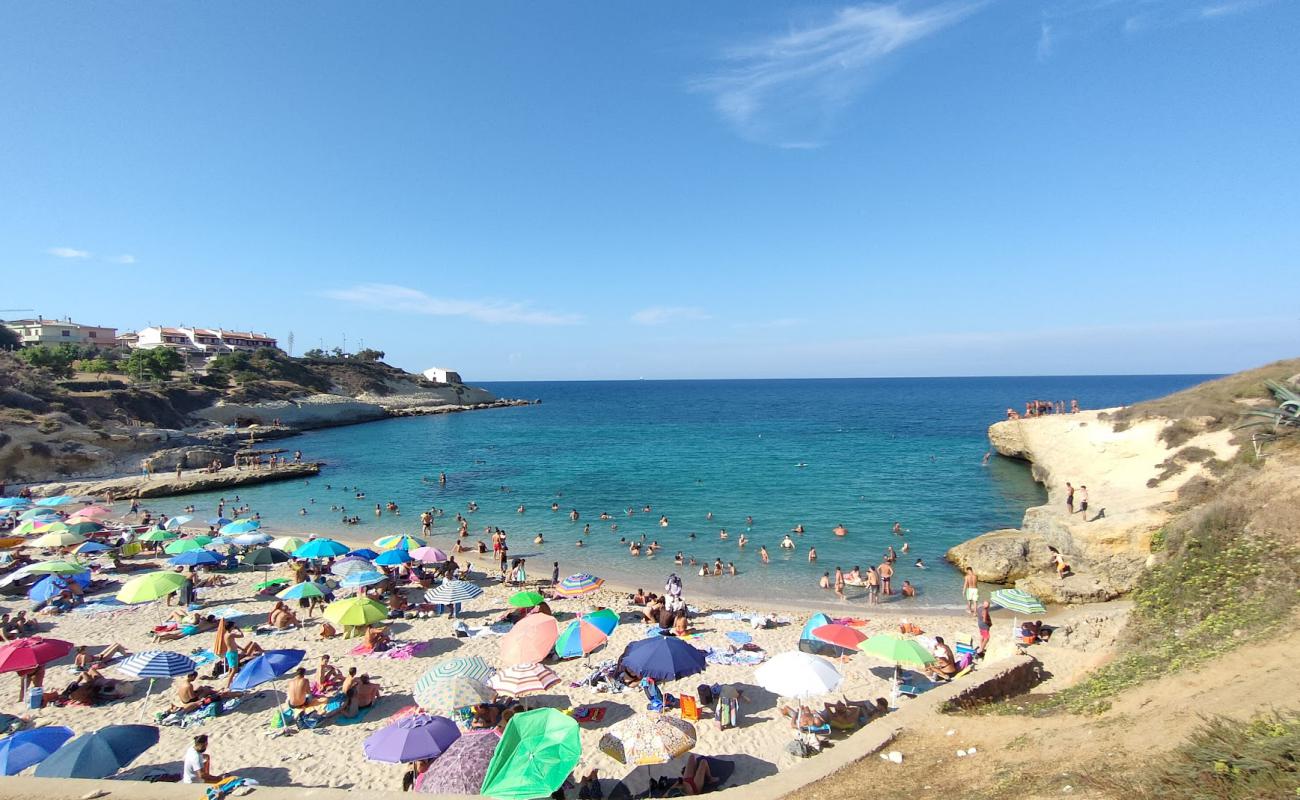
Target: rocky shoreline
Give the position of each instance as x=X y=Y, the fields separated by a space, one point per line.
x=1131 y=497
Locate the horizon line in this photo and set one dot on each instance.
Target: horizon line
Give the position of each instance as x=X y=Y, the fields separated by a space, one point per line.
x=869 y=377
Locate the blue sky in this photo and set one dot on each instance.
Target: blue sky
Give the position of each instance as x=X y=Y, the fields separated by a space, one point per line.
x=679 y=189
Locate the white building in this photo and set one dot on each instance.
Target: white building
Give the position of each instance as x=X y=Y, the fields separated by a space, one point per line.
x=54 y=332
x=204 y=342
x=442 y=375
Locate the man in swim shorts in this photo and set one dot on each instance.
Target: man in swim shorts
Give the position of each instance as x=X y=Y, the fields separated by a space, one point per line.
x=971 y=586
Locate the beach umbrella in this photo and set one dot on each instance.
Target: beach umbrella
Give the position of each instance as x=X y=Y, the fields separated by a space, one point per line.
x=579 y=585
x=897 y=649
x=218 y=522
x=604 y=619
x=53 y=585
x=473 y=667
x=92 y=511
x=648 y=739
x=537 y=751
x=411 y=739
x=58 y=500
x=663 y=658
x=530 y=640
x=391 y=558
x=240 y=526
x=12 y=502
x=1016 y=600
x=196 y=558
x=83 y=527
x=795 y=674
x=444 y=695
x=158 y=535
x=8 y=542
x=266 y=667
x=399 y=542
x=287 y=543
x=31 y=526
x=428 y=555
x=271 y=583
x=63 y=538
x=363 y=552
x=453 y=592
x=578 y=639
x=360 y=580
x=350 y=566
x=264 y=557
x=526 y=599
x=91 y=548
x=250 y=539
x=355 y=611
x=840 y=636
x=38 y=513
x=302 y=591
x=155 y=664
x=25 y=748
x=54 y=567
x=150 y=586
x=32 y=652
x=186 y=545
x=321 y=548
x=100 y=753
x=522 y=679
x=461 y=767
x=175 y=523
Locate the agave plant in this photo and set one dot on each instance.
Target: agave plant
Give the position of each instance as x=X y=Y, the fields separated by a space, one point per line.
x=1286 y=414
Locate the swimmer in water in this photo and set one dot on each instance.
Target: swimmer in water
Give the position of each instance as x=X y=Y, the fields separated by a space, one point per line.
x=920 y=564
x=840 y=530
x=787 y=543
x=762 y=553
x=708 y=515
x=898 y=529
x=812 y=554
x=797 y=529
x=722 y=534
x=520 y=509
x=743 y=540
x=905 y=546
x=579 y=543
x=825 y=582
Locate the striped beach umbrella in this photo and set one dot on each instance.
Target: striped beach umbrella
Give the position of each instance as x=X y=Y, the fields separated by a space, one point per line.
x=351 y=565
x=157 y=664
x=522 y=679
x=473 y=667
x=579 y=639
x=444 y=695
x=321 y=548
x=60 y=538
x=1018 y=601
x=428 y=555
x=240 y=526
x=287 y=543
x=579 y=585
x=360 y=580
x=453 y=592
x=403 y=542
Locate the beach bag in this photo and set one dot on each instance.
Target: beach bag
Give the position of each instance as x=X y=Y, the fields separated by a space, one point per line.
x=799 y=748
x=704 y=694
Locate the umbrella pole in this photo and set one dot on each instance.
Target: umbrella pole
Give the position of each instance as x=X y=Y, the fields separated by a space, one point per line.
x=144 y=702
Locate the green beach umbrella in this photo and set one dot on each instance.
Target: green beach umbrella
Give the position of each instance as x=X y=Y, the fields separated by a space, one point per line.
x=355 y=611
x=270 y=583
x=526 y=599
x=39 y=513
x=186 y=545
x=60 y=538
x=1018 y=601
x=302 y=591
x=538 y=750
x=85 y=527
x=158 y=535
x=55 y=568
x=287 y=543
x=150 y=586
x=897 y=650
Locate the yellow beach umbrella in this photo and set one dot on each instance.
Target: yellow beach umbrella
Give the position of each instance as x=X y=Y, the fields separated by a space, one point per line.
x=63 y=538
x=355 y=611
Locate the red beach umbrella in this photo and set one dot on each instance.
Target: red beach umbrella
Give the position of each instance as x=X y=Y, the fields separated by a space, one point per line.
x=32 y=652
x=840 y=635
x=530 y=640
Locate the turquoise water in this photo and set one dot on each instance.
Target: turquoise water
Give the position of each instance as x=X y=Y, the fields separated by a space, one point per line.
x=876 y=451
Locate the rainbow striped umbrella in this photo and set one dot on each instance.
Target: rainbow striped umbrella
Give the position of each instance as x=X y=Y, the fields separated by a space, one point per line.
x=579 y=585
x=579 y=639
x=402 y=542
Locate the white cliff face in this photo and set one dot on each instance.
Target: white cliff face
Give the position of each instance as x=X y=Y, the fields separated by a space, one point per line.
x=324 y=410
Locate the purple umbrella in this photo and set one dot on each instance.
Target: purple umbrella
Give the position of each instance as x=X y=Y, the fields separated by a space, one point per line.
x=412 y=739
x=461 y=767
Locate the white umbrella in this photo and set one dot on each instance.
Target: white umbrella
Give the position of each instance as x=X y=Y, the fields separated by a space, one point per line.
x=795 y=674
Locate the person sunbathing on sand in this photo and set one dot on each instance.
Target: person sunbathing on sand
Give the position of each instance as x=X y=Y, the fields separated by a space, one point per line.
x=85 y=660
x=281 y=617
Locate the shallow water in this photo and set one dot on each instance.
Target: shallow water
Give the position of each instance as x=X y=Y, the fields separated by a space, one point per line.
x=875 y=451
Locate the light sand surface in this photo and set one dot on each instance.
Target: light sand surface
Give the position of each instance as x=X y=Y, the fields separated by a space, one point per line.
x=332 y=755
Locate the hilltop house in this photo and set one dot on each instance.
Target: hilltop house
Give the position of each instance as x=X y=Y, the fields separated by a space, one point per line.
x=442 y=375
x=203 y=343
x=54 y=332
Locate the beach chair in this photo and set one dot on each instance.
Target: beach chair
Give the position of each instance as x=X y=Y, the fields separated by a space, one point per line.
x=690 y=711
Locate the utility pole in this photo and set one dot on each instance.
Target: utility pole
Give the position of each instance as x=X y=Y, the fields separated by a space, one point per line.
x=290 y=343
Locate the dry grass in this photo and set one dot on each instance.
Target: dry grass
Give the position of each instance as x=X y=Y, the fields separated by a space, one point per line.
x=1218 y=403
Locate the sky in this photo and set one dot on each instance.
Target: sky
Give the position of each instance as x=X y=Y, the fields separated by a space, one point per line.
x=593 y=190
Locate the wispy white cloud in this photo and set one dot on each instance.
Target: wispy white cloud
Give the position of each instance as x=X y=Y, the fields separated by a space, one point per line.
x=786 y=89
x=68 y=252
x=1045 y=42
x=388 y=297
x=125 y=258
x=1230 y=8
x=660 y=315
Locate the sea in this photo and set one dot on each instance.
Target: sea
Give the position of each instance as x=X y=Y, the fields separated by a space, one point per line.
x=678 y=462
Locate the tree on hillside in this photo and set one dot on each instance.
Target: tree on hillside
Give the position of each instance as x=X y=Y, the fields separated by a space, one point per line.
x=55 y=360
x=157 y=364
x=96 y=365
x=315 y=352
x=369 y=355
x=8 y=339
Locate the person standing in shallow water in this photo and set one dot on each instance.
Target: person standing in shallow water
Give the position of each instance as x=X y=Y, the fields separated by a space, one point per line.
x=970 y=586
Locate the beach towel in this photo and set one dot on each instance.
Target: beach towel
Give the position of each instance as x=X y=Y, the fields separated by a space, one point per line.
x=851 y=621
x=739 y=637
x=735 y=658
x=362 y=713
x=226 y=613
x=226 y=786
x=398 y=652
x=202 y=657
x=588 y=715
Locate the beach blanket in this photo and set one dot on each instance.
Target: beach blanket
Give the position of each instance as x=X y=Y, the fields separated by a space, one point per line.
x=266 y=630
x=398 y=651
x=739 y=637
x=202 y=656
x=226 y=613
x=851 y=621
x=101 y=607
x=587 y=715
x=735 y=658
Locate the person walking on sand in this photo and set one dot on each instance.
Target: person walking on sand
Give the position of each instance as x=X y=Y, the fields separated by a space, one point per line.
x=1083 y=501
x=971 y=587
x=984 y=619
x=1069 y=497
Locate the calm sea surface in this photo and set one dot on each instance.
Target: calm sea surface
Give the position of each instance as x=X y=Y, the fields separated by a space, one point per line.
x=874 y=451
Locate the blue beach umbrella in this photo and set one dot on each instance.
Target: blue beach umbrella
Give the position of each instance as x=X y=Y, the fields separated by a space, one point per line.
x=57 y=500
x=20 y=751
x=100 y=753
x=219 y=521
x=663 y=658
x=302 y=591
x=321 y=548
x=90 y=548
x=391 y=558
x=359 y=580
x=50 y=586
x=196 y=558
x=157 y=664
x=38 y=513
x=240 y=526
x=12 y=502
x=364 y=552
x=266 y=667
